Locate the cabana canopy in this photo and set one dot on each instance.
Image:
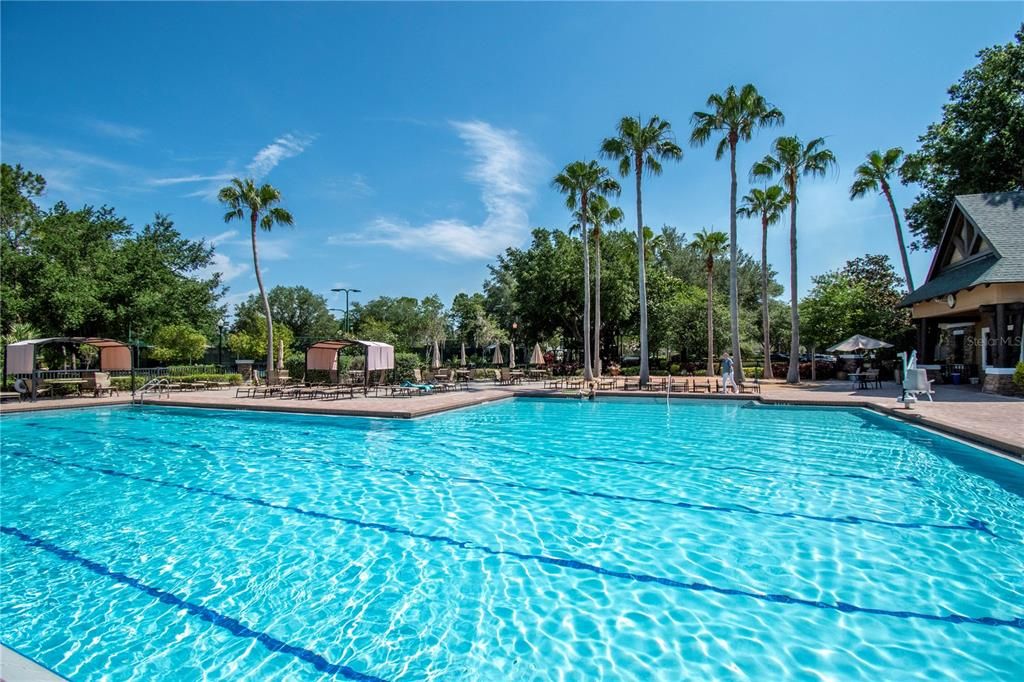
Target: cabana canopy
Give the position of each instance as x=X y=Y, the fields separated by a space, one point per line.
x=323 y=355
x=858 y=342
x=21 y=355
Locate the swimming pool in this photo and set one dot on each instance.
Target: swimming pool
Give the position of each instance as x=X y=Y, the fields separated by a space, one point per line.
x=531 y=539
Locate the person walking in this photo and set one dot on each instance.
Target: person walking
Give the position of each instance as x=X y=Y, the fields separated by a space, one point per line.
x=728 y=378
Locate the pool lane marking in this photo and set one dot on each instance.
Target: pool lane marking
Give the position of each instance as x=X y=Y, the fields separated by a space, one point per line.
x=974 y=525
x=1017 y=623
x=220 y=620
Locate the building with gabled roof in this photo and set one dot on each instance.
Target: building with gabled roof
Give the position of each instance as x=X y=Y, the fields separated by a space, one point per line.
x=970 y=310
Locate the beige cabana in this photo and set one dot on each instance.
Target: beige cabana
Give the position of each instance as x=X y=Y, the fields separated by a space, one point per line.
x=20 y=358
x=323 y=355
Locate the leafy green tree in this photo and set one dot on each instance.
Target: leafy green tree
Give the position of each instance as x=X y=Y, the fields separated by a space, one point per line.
x=736 y=115
x=767 y=204
x=791 y=159
x=710 y=246
x=18 y=188
x=252 y=343
x=177 y=342
x=873 y=176
x=241 y=197
x=976 y=147
x=579 y=181
x=641 y=148
x=863 y=297
x=298 y=308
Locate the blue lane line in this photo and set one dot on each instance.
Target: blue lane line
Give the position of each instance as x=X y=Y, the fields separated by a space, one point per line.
x=1017 y=623
x=972 y=525
x=230 y=624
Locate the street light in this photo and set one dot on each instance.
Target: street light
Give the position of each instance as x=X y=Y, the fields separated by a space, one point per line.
x=347 y=292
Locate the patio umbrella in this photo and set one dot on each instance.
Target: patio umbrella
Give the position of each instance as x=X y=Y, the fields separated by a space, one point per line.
x=497 y=359
x=511 y=356
x=435 y=360
x=462 y=355
x=537 y=357
x=280 y=356
x=858 y=342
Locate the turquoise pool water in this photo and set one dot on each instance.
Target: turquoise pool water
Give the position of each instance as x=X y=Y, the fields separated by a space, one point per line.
x=524 y=540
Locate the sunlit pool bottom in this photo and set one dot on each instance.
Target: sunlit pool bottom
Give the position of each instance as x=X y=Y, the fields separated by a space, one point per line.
x=524 y=540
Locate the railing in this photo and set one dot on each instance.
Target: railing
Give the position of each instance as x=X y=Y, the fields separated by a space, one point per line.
x=158 y=385
x=44 y=374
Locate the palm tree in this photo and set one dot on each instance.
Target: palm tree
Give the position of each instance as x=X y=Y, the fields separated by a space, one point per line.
x=579 y=181
x=789 y=159
x=709 y=246
x=602 y=214
x=639 y=148
x=768 y=204
x=737 y=115
x=243 y=196
x=873 y=176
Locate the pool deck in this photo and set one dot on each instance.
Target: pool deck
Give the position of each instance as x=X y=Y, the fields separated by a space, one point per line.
x=963 y=411
x=17 y=668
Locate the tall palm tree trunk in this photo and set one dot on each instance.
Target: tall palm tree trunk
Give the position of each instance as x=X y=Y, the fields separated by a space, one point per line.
x=793 y=375
x=588 y=373
x=597 y=303
x=899 y=238
x=765 y=318
x=266 y=304
x=645 y=366
x=711 y=323
x=734 y=306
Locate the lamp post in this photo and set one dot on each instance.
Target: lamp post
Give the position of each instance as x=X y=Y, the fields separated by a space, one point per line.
x=220 y=345
x=347 y=292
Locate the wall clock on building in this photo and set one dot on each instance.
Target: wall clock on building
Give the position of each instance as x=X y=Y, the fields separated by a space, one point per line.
x=951 y=300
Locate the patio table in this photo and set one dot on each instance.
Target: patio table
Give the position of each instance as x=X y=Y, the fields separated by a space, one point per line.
x=75 y=384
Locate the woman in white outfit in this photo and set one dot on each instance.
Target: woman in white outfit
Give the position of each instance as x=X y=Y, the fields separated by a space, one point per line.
x=727 y=373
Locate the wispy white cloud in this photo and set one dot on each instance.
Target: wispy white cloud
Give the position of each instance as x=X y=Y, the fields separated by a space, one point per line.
x=70 y=174
x=217 y=239
x=265 y=160
x=223 y=264
x=274 y=153
x=502 y=163
x=161 y=182
x=348 y=187
x=117 y=131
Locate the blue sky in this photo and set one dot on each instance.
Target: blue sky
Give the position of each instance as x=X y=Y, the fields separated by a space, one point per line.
x=413 y=142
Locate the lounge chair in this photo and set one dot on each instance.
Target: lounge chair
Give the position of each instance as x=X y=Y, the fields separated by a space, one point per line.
x=553 y=382
x=101 y=385
x=9 y=395
x=24 y=387
x=417 y=378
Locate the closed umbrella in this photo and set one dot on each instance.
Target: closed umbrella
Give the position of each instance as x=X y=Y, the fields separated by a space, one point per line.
x=858 y=342
x=537 y=357
x=497 y=359
x=462 y=355
x=435 y=360
x=280 y=355
x=511 y=356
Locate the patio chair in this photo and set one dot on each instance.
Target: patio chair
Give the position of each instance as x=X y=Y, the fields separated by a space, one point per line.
x=553 y=382
x=869 y=379
x=631 y=384
x=502 y=377
x=24 y=387
x=101 y=385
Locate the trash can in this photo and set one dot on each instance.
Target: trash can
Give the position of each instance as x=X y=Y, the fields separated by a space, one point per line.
x=956 y=378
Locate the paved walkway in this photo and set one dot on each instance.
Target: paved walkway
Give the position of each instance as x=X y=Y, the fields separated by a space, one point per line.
x=964 y=411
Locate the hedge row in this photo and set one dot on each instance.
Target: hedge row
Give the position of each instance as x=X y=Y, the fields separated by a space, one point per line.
x=125 y=383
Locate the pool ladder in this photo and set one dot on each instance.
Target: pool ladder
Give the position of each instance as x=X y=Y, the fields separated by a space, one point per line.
x=160 y=385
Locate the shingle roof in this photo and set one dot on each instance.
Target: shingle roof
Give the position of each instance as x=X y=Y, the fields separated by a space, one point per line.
x=999 y=216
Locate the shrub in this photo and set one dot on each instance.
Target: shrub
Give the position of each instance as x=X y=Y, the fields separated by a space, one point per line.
x=405 y=363
x=1018 y=377
x=124 y=383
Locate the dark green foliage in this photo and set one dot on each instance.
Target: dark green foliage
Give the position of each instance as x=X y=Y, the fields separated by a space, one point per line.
x=302 y=311
x=979 y=144
x=88 y=272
